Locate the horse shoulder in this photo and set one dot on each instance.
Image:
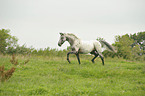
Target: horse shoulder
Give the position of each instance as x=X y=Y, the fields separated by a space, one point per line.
x=76 y=46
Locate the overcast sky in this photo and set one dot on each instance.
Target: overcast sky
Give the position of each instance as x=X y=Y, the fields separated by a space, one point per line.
x=37 y=23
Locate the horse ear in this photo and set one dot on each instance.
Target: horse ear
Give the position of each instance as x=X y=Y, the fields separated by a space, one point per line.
x=61 y=34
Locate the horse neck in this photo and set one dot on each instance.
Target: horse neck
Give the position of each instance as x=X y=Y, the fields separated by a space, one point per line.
x=71 y=40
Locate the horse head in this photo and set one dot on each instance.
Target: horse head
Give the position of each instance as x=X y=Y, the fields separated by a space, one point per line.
x=62 y=39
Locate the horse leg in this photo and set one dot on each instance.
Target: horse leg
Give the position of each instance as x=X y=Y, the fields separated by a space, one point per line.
x=100 y=55
x=78 y=58
x=102 y=58
x=94 y=59
x=68 y=55
x=96 y=55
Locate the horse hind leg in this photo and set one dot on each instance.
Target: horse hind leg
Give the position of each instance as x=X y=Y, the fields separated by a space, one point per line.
x=96 y=55
x=78 y=58
x=98 y=49
x=93 y=59
x=102 y=58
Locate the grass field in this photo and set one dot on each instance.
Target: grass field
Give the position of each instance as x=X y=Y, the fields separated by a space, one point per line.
x=44 y=76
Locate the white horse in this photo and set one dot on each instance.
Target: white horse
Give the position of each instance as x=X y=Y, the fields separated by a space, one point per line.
x=83 y=47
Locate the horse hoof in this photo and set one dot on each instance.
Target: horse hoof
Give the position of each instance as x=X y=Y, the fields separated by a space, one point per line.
x=93 y=61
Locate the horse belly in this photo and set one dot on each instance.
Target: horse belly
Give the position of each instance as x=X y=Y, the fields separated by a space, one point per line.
x=86 y=47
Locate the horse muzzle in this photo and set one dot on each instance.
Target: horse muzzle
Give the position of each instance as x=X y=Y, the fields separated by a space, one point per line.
x=59 y=45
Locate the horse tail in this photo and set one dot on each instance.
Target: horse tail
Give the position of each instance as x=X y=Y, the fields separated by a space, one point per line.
x=107 y=46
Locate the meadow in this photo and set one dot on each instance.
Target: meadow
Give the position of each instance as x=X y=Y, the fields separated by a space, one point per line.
x=54 y=76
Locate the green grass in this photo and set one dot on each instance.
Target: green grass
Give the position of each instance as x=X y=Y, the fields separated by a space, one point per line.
x=55 y=77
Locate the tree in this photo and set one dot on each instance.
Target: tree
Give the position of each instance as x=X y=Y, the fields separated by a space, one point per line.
x=136 y=53
x=6 y=40
x=123 y=44
x=131 y=46
x=139 y=39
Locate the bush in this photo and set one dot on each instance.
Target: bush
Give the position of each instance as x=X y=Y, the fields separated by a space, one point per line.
x=5 y=75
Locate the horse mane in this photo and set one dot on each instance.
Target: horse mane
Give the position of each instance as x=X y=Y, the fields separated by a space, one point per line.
x=70 y=34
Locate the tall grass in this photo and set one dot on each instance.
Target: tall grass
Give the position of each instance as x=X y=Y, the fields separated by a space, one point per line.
x=54 y=76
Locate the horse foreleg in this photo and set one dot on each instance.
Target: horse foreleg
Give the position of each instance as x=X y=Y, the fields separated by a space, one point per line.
x=68 y=55
x=78 y=58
